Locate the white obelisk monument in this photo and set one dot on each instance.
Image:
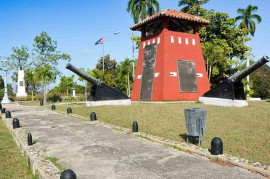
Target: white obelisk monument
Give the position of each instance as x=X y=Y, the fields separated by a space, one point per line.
x=21 y=85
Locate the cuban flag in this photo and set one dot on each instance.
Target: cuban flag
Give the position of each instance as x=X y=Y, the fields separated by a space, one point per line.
x=100 y=41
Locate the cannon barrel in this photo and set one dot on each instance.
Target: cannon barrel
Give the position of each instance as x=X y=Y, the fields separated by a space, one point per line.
x=240 y=75
x=85 y=76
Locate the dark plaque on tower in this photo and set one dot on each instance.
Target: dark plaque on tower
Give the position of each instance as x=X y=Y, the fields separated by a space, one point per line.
x=148 y=71
x=187 y=76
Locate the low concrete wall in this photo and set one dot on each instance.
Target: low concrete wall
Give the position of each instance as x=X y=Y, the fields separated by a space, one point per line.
x=35 y=157
x=108 y=102
x=223 y=102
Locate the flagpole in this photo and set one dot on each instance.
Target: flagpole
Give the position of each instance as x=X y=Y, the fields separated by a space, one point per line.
x=103 y=54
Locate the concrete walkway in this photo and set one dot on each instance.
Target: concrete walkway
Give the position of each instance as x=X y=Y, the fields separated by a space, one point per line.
x=94 y=151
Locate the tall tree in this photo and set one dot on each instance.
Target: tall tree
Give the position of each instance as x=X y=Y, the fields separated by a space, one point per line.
x=66 y=83
x=222 y=43
x=246 y=16
x=125 y=75
x=193 y=6
x=46 y=76
x=31 y=80
x=19 y=57
x=215 y=57
x=109 y=64
x=46 y=57
x=140 y=9
x=261 y=82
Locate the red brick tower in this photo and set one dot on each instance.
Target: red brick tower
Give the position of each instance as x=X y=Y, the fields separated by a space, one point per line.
x=170 y=64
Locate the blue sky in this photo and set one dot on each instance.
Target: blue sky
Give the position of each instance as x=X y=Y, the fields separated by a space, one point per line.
x=77 y=24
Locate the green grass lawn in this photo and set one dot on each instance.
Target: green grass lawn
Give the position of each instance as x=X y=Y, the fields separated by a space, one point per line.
x=245 y=131
x=12 y=164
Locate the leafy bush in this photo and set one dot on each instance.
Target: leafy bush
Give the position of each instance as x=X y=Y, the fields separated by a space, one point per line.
x=81 y=98
x=26 y=98
x=11 y=97
x=69 y=99
x=21 y=98
x=39 y=96
x=53 y=97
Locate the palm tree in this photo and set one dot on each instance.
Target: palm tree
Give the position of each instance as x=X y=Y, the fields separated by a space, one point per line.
x=247 y=22
x=140 y=9
x=31 y=80
x=247 y=18
x=125 y=69
x=45 y=75
x=194 y=5
x=66 y=82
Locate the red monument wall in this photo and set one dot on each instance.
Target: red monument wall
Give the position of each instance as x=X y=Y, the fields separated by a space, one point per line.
x=171 y=47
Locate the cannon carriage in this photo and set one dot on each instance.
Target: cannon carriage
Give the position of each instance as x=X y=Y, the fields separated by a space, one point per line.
x=232 y=87
x=99 y=91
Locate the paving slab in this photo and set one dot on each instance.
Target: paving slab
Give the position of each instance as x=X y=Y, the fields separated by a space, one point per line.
x=94 y=151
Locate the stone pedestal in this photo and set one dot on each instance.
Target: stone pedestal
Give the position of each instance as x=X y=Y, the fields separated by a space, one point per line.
x=21 y=85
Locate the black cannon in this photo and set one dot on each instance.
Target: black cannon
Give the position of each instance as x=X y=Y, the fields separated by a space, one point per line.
x=232 y=87
x=99 y=90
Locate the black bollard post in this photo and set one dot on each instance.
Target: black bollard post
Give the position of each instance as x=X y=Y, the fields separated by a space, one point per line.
x=8 y=114
x=93 y=116
x=3 y=110
x=29 y=139
x=41 y=102
x=16 y=123
x=216 y=146
x=68 y=174
x=69 y=110
x=135 y=127
x=53 y=107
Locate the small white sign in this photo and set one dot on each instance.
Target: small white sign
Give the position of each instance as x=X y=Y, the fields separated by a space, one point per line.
x=156 y=74
x=173 y=74
x=139 y=76
x=199 y=75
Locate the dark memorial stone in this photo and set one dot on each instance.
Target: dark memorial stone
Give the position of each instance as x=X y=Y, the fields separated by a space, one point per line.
x=135 y=127
x=16 y=123
x=8 y=114
x=53 y=107
x=3 y=110
x=41 y=103
x=68 y=174
x=21 y=83
x=187 y=76
x=216 y=146
x=69 y=110
x=93 y=116
x=148 y=71
x=29 y=139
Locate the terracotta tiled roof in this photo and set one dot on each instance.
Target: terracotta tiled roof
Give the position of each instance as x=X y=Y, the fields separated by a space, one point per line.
x=173 y=14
